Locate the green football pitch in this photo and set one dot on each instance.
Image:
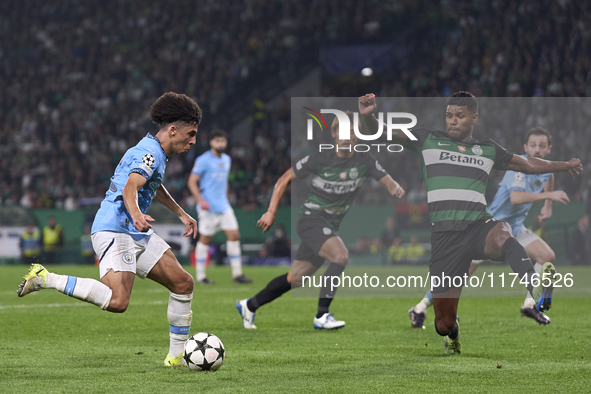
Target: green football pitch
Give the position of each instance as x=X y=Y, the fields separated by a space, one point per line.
x=52 y=343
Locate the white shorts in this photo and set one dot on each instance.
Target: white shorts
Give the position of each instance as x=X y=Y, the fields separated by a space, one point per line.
x=211 y=223
x=122 y=252
x=524 y=237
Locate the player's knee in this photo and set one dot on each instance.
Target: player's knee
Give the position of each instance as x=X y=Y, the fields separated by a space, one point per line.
x=185 y=284
x=118 y=304
x=341 y=258
x=445 y=324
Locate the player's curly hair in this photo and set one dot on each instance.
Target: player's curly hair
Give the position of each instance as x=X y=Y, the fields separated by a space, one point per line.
x=537 y=130
x=462 y=98
x=174 y=107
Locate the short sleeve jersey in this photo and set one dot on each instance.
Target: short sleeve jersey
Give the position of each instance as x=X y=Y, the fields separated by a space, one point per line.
x=501 y=207
x=213 y=174
x=335 y=183
x=456 y=174
x=148 y=159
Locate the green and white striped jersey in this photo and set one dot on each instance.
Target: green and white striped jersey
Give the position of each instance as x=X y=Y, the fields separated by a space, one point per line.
x=335 y=183
x=456 y=174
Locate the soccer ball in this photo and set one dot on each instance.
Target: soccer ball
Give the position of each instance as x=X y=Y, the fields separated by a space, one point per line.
x=204 y=352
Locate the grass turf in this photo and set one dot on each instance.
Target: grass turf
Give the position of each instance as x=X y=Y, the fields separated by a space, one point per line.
x=53 y=343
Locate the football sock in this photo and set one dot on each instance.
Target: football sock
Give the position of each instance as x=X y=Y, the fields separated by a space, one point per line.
x=201 y=257
x=179 y=317
x=275 y=289
x=85 y=289
x=453 y=334
x=519 y=261
x=529 y=300
x=235 y=256
x=425 y=303
x=326 y=291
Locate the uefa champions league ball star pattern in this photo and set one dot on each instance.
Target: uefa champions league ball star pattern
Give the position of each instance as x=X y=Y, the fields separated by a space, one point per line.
x=148 y=160
x=204 y=352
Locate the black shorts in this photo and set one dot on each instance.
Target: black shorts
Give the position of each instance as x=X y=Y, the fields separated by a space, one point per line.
x=313 y=232
x=453 y=251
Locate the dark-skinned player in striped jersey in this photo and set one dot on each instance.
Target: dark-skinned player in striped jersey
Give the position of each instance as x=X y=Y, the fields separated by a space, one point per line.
x=337 y=177
x=456 y=167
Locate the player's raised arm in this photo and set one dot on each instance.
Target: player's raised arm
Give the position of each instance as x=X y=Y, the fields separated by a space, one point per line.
x=392 y=186
x=164 y=198
x=367 y=105
x=134 y=183
x=518 y=197
x=193 y=184
x=534 y=165
x=268 y=218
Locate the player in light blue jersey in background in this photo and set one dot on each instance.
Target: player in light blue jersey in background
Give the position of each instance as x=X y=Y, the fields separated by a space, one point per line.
x=208 y=183
x=122 y=236
x=512 y=202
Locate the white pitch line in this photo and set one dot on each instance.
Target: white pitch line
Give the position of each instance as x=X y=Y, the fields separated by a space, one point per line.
x=68 y=305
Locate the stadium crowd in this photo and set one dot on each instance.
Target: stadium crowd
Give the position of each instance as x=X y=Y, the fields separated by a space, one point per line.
x=77 y=80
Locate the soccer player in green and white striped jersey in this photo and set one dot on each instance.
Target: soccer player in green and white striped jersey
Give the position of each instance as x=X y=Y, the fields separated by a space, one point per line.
x=456 y=167
x=336 y=179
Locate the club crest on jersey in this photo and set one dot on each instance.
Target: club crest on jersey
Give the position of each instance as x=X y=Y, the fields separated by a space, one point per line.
x=461 y=148
x=127 y=258
x=477 y=150
x=353 y=173
x=343 y=175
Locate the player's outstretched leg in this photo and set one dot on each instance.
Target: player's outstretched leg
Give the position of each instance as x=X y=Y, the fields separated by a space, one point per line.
x=416 y=314
x=542 y=294
x=85 y=289
x=274 y=289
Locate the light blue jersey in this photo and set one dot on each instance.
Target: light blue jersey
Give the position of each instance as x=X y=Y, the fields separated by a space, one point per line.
x=501 y=207
x=213 y=180
x=148 y=159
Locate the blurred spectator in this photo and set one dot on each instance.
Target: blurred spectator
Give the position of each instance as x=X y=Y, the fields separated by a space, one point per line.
x=390 y=233
x=86 y=248
x=278 y=243
x=53 y=241
x=580 y=241
x=415 y=251
x=397 y=252
x=30 y=244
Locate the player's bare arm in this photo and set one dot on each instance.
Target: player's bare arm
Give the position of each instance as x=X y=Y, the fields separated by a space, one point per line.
x=164 y=198
x=546 y=212
x=268 y=218
x=549 y=194
x=367 y=105
x=392 y=186
x=534 y=165
x=193 y=184
x=134 y=183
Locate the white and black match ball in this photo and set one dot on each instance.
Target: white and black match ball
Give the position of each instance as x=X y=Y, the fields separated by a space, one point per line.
x=148 y=159
x=204 y=352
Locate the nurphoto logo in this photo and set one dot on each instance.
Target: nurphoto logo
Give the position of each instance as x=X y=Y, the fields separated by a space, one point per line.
x=345 y=129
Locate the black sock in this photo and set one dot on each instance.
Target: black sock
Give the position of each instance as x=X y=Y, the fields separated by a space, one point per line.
x=453 y=334
x=519 y=261
x=326 y=294
x=275 y=289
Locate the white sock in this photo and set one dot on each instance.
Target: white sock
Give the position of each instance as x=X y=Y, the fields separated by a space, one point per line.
x=422 y=306
x=201 y=255
x=85 y=289
x=235 y=256
x=179 y=317
x=529 y=300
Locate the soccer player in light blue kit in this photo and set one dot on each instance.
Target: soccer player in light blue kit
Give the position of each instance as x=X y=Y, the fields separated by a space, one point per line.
x=208 y=183
x=512 y=202
x=122 y=236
